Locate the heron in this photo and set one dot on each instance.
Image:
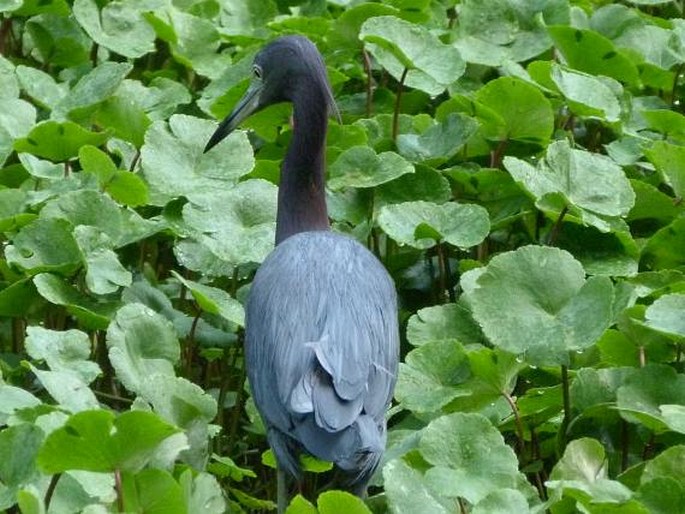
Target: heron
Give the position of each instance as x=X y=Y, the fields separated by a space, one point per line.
x=321 y=331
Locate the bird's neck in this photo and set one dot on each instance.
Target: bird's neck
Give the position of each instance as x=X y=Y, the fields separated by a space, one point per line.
x=301 y=194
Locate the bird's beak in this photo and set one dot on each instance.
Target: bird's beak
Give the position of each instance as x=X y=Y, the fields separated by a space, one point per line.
x=248 y=104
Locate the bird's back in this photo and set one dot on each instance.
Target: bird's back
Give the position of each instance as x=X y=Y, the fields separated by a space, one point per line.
x=322 y=350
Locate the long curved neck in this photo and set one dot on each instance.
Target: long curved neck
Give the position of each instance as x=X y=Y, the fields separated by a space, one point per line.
x=301 y=195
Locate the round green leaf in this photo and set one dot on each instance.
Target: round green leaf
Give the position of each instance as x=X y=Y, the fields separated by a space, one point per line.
x=430 y=376
x=58 y=141
x=450 y=322
x=245 y=230
x=91 y=313
x=526 y=112
x=174 y=164
x=400 y=45
x=667 y=314
x=470 y=457
x=588 y=94
x=334 y=502
x=45 y=245
x=141 y=343
x=591 y=182
x=424 y=224
x=582 y=473
x=407 y=491
x=440 y=142
x=644 y=391
x=215 y=301
x=119 y=27
x=360 y=167
x=589 y=51
x=535 y=302
x=96 y=440
x=67 y=350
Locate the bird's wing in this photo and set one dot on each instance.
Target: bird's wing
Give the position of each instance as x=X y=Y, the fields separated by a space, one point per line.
x=322 y=334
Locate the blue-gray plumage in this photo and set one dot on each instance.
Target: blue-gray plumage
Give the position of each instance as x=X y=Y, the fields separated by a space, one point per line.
x=322 y=342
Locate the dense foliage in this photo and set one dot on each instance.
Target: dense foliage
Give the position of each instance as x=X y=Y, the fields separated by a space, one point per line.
x=517 y=165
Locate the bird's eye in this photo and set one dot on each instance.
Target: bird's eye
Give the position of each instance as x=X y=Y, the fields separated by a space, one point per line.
x=257 y=71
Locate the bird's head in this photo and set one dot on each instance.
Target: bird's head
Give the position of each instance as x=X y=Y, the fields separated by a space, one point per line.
x=287 y=68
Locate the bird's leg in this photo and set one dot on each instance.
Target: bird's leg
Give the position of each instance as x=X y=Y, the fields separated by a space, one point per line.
x=281 y=490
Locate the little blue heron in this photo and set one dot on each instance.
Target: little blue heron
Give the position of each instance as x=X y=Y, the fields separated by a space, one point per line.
x=322 y=342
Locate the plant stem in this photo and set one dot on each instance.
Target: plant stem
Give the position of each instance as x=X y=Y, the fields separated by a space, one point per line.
x=566 y=391
x=557 y=227
x=190 y=349
x=51 y=490
x=462 y=506
x=134 y=161
x=517 y=419
x=119 y=489
x=497 y=154
x=369 y=90
x=398 y=98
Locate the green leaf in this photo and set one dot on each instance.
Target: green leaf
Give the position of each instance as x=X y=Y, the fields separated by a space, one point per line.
x=174 y=164
x=68 y=389
x=152 y=491
x=141 y=344
x=449 y=322
x=662 y=495
x=588 y=95
x=407 y=491
x=503 y=501
x=18 y=119
x=97 y=440
x=431 y=375
x=527 y=114
x=58 y=141
x=19 y=446
x=104 y=273
x=245 y=230
x=590 y=182
x=670 y=160
x=66 y=351
x=92 y=313
x=400 y=45
x=58 y=40
x=30 y=501
x=469 y=456
x=125 y=117
x=118 y=27
x=588 y=51
x=17 y=298
x=494 y=32
x=93 y=88
x=359 y=166
x=461 y=225
x=299 y=505
x=666 y=314
x=668 y=464
x=665 y=248
x=202 y=493
x=582 y=474
x=440 y=141
x=334 y=502
x=215 y=301
x=45 y=245
x=644 y=391
x=41 y=87
x=424 y=184
x=91 y=208
x=535 y=302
